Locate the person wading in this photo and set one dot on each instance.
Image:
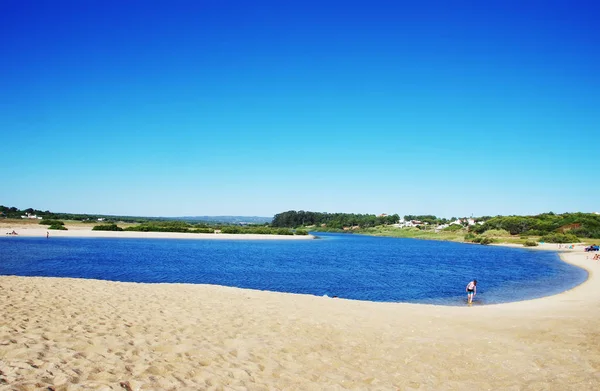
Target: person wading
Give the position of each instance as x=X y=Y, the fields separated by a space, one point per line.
x=471 y=291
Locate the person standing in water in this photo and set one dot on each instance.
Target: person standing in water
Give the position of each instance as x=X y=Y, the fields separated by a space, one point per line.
x=471 y=291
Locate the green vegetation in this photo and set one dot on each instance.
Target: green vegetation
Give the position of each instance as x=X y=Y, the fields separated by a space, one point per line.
x=51 y=222
x=453 y=228
x=585 y=225
x=495 y=233
x=530 y=243
x=483 y=240
x=145 y=224
x=256 y=230
x=293 y=219
x=559 y=238
x=547 y=227
x=107 y=227
x=203 y=231
x=412 y=232
x=15 y=213
x=470 y=236
x=181 y=226
x=162 y=226
x=486 y=240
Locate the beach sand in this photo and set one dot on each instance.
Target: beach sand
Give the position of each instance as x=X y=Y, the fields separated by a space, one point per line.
x=79 y=230
x=74 y=334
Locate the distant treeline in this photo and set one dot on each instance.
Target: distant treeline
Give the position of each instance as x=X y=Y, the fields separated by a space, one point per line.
x=584 y=225
x=548 y=225
x=292 y=219
x=14 y=213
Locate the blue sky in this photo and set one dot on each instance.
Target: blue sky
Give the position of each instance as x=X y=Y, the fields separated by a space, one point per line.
x=172 y=108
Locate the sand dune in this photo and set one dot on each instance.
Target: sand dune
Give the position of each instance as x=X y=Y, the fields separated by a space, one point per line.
x=72 y=334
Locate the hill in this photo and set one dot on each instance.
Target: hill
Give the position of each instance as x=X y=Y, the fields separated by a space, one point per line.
x=223 y=219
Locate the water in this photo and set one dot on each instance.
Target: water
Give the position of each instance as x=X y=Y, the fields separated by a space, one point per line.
x=347 y=266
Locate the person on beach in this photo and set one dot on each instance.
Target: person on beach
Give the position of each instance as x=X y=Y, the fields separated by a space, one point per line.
x=471 y=291
x=47 y=234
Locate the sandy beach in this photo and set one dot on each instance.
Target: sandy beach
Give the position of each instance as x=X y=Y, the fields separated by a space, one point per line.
x=73 y=231
x=73 y=334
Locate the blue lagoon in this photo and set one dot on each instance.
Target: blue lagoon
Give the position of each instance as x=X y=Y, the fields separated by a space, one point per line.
x=347 y=266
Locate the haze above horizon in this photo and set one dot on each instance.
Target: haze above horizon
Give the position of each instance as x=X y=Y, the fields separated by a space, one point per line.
x=255 y=108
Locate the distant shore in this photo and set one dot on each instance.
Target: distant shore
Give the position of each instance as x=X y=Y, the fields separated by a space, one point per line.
x=85 y=231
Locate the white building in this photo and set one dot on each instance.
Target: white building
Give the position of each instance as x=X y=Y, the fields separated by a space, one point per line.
x=441 y=227
x=30 y=216
x=407 y=224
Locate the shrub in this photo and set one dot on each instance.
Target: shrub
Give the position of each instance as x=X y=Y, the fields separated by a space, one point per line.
x=51 y=222
x=559 y=238
x=477 y=239
x=530 y=243
x=203 y=231
x=470 y=236
x=284 y=231
x=258 y=230
x=107 y=227
x=486 y=240
x=532 y=232
x=231 y=230
x=586 y=232
x=301 y=232
x=490 y=233
x=58 y=227
x=453 y=228
x=151 y=227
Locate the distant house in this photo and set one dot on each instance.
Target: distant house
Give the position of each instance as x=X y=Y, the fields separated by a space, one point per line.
x=30 y=216
x=407 y=224
x=101 y=219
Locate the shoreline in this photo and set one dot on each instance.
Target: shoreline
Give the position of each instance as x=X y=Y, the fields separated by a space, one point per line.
x=65 y=333
x=86 y=232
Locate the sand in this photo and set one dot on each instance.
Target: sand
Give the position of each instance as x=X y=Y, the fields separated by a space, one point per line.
x=73 y=334
x=35 y=230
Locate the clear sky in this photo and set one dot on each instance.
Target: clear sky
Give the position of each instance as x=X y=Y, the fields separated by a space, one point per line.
x=172 y=108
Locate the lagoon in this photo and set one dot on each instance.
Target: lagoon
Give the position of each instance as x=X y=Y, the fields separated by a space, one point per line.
x=347 y=266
